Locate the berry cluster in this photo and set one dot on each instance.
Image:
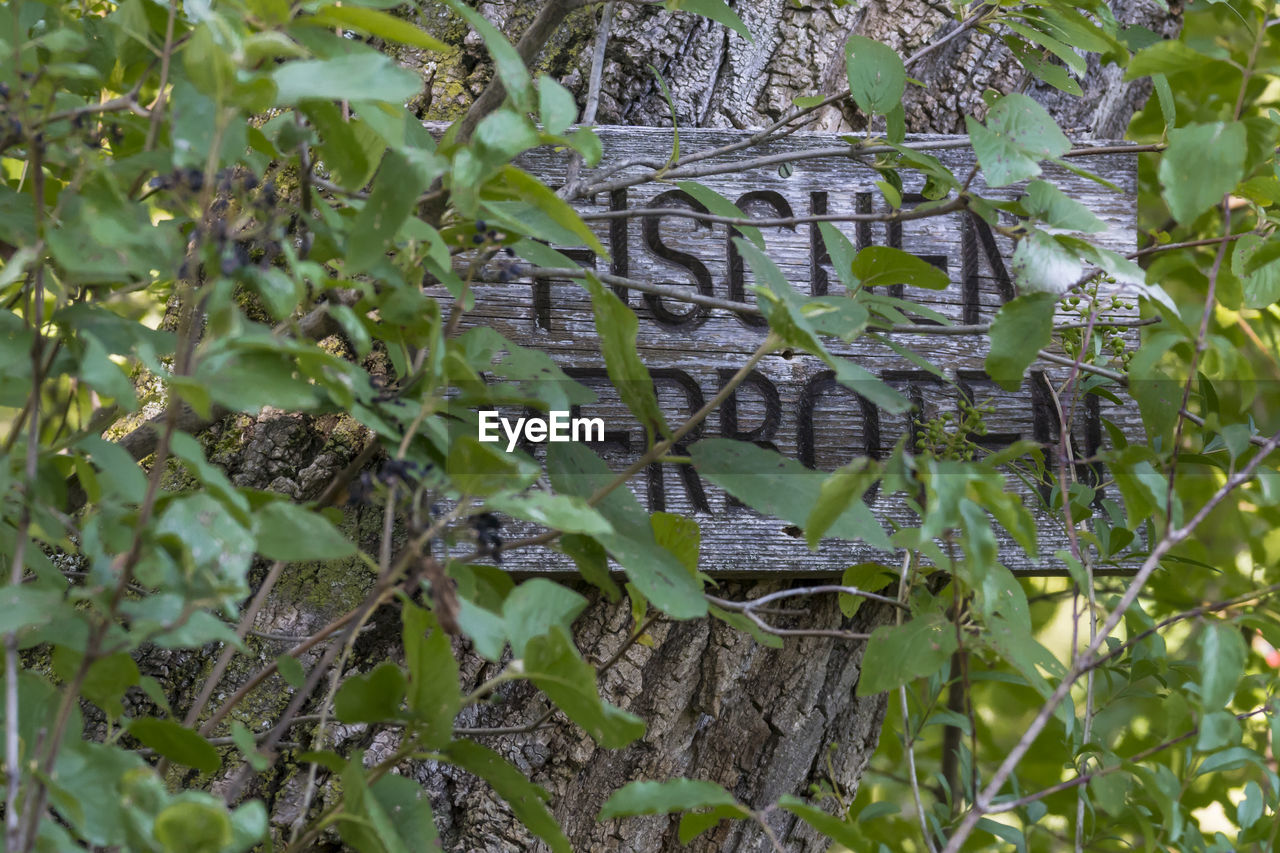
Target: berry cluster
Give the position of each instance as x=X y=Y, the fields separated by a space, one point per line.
x=404 y=471
x=948 y=436
x=1107 y=338
x=488 y=528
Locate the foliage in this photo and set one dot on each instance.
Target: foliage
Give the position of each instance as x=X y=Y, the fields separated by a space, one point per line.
x=212 y=209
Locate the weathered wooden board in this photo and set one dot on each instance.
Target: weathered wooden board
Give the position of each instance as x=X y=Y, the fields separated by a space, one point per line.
x=792 y=402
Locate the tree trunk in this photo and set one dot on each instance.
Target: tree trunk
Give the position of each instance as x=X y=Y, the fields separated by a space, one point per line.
x=718 y=706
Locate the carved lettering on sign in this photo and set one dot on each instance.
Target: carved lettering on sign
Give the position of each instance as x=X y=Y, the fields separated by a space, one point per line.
x=792 y=402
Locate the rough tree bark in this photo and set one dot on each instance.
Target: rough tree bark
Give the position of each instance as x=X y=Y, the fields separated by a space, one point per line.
x=718 y=706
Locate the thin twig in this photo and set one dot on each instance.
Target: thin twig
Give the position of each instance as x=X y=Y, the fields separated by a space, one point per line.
x=166 y=55
x=894 y=216
x=1086 y=778
x=909 y=747
x=593 y=96
x=983 y=802
x=15 y=837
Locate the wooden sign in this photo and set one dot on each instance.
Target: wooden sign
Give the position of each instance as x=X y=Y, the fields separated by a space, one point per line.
x=792 y=401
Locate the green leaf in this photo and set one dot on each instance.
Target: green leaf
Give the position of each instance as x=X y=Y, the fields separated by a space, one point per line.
x=1193 y=182
x=671 y=109
x=395 y=192
x=1041 y=264
x=433 y=694
x=829 y=825
x=772 y=484
x=553 y=664
x=1252 y=807
x=26 y=606
x=556 y=106
x=124 y=480
x=1167 y=56
x=378 y=23
x=537 y=606
x=741 y=623
x=592 y=562
x=654 y=570
x=176 y=742
x=880 y=266
x=693 y=824
x=371 y=698
x=193 y=826
x=408 y=811
x=617 y=325
x=721 y=206
x=1017 y=645
x=89 y=791
x=106 y=377
x=483 y=468
x=218 y=548
x=1168 y=105
x=1257 y=264
x=527 y=800
x=353 y=77
x=1009 y=834
x=350 y=149
x=363 y=823
x=898 y=654
x=839 y=490
x=1022 y=327
x=675 y=795
x=679 y=535
x=804 y=102
x=841 y=252
x=877 y=77
x=502 y=135
x=1222 y=659
x=716 y=10
x=1231 y=759
x=1056 y=209
x=1044 y=69
x=533 y=191
x=785 y=310
x=485 y=629
x=248 y=746
x=286 y=531
x=864 y=576
x=1069 y=56
x=566 y=513
x=1009 y=509
x=291 y=671
x=1019 y=133
x=1218 y=729
x=891 y=194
